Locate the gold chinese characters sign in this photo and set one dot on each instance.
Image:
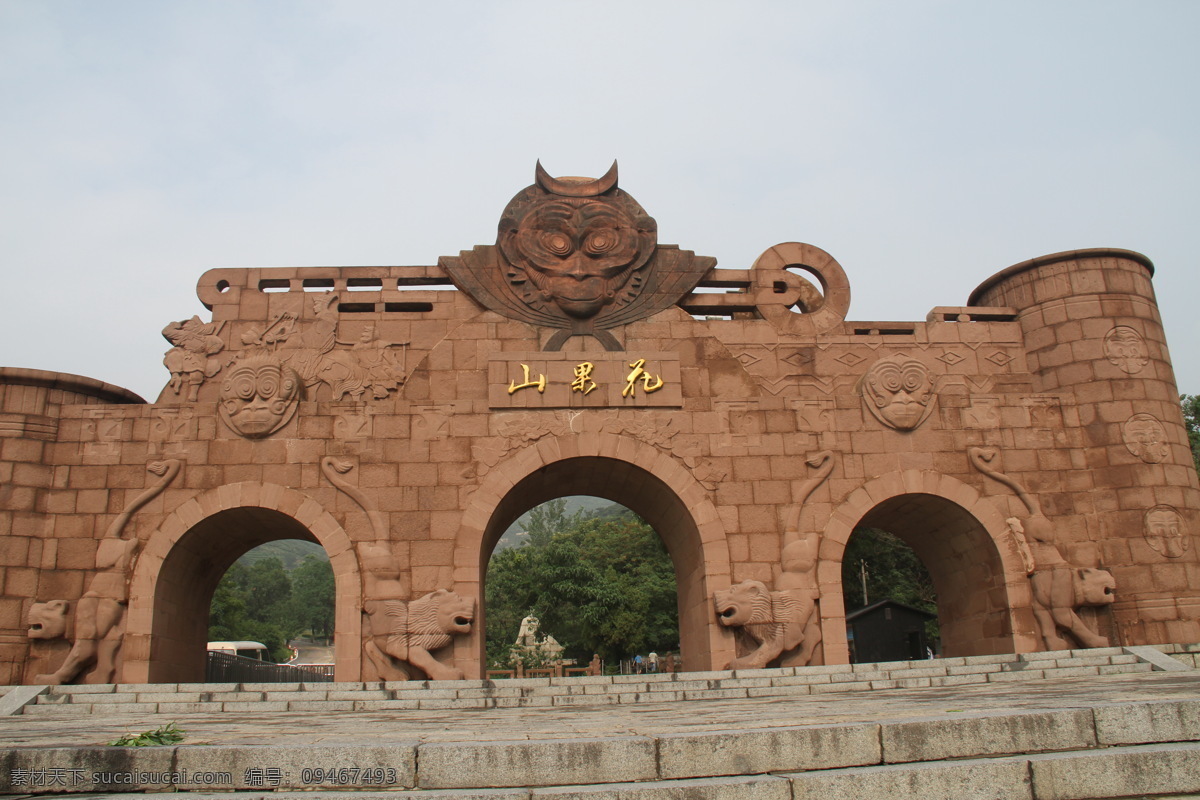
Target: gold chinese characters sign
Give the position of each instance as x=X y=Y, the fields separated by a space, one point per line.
x=584 y=380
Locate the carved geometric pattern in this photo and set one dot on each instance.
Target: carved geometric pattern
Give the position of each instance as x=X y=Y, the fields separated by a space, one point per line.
x=1000 y=358
x=850 y=359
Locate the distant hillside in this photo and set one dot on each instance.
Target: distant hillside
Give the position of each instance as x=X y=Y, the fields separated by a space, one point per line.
x=596 y=506
x=290 y=551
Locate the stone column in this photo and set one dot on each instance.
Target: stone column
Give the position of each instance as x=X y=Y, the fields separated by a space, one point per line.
x=1127 y=498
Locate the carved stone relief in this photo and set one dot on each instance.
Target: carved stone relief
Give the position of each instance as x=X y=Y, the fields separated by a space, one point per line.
x=193 y=357
x=982 y=414
x=48 y=620
x=1058 y=589
x=333 y=469
x=369 y=365
x=1164 y=531
x=259 y=396
x=103 y=432
x=798 y=567
x=660 y=432
x=402 y=635
x=1126 y=349
x=172 y=428
x=352 y=422
x=100 y=613
x=772 y=622
x=1145 y=438
x=899 y=391
x=517 y=431
x=430 y=422
x=578 y=255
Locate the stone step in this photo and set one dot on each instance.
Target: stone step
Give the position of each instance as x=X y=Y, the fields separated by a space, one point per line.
x=592 y=691
x=1107 y=750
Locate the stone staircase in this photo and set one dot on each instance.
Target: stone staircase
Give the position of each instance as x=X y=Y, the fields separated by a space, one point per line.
x=1043 y=731
x=201 y=698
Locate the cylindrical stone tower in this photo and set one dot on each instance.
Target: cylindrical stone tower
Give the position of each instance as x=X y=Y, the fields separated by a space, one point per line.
x=32 y=565
x=1131 y=502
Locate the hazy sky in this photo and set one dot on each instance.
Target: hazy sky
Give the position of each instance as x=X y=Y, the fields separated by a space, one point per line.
x=926 y=145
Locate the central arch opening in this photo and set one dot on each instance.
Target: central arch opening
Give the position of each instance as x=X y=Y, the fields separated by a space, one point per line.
x=576 y=578
x=646 y=496
x=963 y=564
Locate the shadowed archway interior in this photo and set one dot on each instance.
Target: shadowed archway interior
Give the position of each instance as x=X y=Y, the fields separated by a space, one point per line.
x=965 y=567
x=189 y=576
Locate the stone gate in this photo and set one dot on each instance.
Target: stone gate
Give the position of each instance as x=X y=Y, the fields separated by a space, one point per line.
x=1028 y=445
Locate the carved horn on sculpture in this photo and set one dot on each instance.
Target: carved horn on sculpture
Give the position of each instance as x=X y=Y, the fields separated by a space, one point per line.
x=568 y=188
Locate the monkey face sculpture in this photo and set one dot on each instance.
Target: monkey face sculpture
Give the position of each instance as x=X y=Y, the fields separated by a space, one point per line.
x=578 y=241
x=1126 y=349
x=1164 y=531
x=1145 y=438
x=259 y=397
x=899 y=392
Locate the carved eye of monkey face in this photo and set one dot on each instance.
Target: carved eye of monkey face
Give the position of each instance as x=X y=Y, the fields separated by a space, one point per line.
x=592 y=240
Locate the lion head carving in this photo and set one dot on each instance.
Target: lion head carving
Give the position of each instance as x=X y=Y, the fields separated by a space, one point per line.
x=442 y=613
x=1094 y=587
x=774 y=621
x=48 y=620
x=745 y=603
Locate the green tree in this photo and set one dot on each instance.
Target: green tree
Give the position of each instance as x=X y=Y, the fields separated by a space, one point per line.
x=313 y=596
x=599 y=583
x=550 y=518
x=254 y=603
x=1191 y=419
x=893 y=572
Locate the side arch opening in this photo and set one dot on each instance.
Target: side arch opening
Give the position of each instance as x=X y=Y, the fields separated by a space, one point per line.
x=183 y=561
x=964 y=563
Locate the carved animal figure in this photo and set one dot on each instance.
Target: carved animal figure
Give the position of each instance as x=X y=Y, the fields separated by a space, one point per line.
x=773 y=620
x=1058 y=589
x=797 y=574
x=48 y=620
x=408 y=632
x=1058 y=592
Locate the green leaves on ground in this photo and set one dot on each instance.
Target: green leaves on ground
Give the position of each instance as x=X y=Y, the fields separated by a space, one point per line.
x=597 y=583
x=167 y=734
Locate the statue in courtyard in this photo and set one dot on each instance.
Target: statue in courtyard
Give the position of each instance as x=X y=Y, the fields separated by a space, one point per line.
x=579 y=255
x=1058 y=589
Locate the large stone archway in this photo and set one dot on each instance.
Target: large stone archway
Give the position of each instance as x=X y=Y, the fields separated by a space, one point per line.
x=400 y=415
x=186 y=556
x=640 y=477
